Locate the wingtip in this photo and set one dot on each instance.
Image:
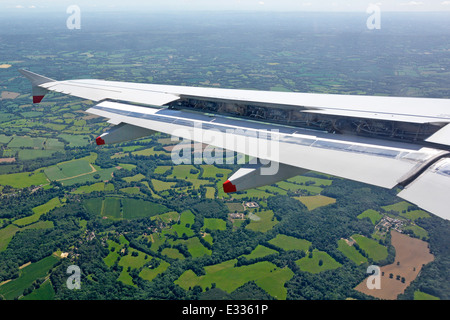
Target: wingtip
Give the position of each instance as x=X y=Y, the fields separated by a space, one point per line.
x=100 y=141
x=37 y=99
x=228 y=187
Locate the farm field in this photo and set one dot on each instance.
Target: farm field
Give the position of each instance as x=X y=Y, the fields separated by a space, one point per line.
x=39 y=211
x=290 y=243
x=313 y=202
x=374 y=250
x=228 y=277
x=350 y=252
x=23 y=179
x=411 y=255
x=318 y=262
x=9 y=231
x=28 y=274
x=262 y=221
x=117 y=208
x=373 y=215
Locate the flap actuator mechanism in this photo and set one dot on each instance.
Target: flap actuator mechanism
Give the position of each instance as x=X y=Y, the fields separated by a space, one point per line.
x=123 y=132
x=258 y=175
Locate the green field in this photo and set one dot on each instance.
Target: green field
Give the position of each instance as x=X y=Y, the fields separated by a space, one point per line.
x=312 y=189
x=134 y=208
x=374 y=250
x=290 y=243
x=259 y=252
x=115 y=249
x=418 y=231
x=135 y=261
x=39 y=211
x=134 y=178
x=373 y=215
x=44 y=292
x=214 y=224
x=94 y=205
x=210 y=171
x=8 y=232
x=150 y=273
x=29 y=148
x=103 y=175
x=351 y=252
x=159 y=185
x=313 y=202
x=195 y=247
x=23 y=179
x=264 y=222
x=31 y=154
x=228 y=277
x=123 y=208
x=67 y=170
x=39 y=269
x=148 y=152
x=75 y=140
x=111 y=208
x=187 y=219
x=419 y=295
x=319 y=262
x=100 y=186
x=26 y=142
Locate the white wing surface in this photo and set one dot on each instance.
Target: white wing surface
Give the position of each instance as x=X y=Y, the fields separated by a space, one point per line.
x=421 y=169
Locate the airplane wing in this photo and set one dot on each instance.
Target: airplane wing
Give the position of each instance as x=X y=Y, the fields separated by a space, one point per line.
x=341 y=135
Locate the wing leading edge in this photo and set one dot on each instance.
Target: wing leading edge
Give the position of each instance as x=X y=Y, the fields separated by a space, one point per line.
x=378 y=162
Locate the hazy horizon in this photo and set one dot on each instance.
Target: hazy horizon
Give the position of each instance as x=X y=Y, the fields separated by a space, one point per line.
x=228 y=5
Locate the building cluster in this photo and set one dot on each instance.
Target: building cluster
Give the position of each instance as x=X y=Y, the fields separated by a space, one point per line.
x=388 y=223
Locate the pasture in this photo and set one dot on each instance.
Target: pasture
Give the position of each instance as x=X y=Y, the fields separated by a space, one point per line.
x=259 y=252
x=374 y=250
x=290 y=243
x=28 y=274
x=23 y=179
x=265 y=221
x=8 y=232
x=313 y=202
x=319 y=261
x=351 y=252
x=373 y=215
x=67 y=170
x=39 y=211
x=117 y=208
x=214 y=224
x=228 y=277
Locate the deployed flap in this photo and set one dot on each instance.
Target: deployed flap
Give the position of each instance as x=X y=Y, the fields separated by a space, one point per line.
x=381 y=163
x=123 y=132
x=441 y=137
x=257 y=175
x=431 y=190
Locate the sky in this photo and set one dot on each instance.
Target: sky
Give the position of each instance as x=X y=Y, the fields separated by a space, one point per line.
x=229 y=5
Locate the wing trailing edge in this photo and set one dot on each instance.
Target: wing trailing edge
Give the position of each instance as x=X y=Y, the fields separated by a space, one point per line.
x=257 y=175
